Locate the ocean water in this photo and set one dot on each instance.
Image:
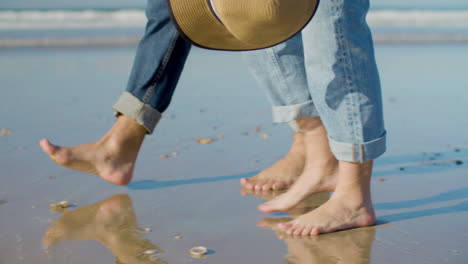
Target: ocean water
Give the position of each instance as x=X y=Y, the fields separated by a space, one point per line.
x=27 y=21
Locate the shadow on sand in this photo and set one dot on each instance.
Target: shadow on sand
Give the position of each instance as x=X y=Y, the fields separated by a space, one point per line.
x=393 y=165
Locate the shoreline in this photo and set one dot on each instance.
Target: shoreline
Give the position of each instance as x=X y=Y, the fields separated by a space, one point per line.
x=379 y=38
x=194 y=198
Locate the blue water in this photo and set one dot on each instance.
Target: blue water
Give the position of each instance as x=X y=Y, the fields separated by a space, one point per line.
x=31 y=19
x=60 y=4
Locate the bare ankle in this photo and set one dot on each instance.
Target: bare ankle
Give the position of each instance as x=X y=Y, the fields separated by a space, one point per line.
x=124 y=132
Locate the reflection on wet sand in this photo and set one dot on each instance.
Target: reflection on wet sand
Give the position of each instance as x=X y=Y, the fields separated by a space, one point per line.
x=349 y=246
x=111 y=222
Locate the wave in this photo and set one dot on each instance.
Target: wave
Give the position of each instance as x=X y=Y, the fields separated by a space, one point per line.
x=379 y=38
x=131 y=18
x=57 y=19
x=418 y=18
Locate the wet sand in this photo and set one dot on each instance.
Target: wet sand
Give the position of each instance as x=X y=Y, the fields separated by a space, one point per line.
x=188 y=193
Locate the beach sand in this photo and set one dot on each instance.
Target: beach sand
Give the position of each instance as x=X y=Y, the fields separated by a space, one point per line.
x=187 y=194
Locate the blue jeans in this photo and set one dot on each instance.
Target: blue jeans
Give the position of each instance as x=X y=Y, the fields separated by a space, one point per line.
x=328 y=71
x=158 y=63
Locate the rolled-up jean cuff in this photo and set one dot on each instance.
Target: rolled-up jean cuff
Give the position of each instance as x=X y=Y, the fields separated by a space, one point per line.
x=288 y=113
x=135 y=109
x=358 y=152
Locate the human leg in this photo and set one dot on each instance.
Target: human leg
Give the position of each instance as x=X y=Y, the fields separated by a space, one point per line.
x=344 y=84
x=283 y=173
x=350 y=205
x=112 y=157
x=158 y=64
x=344 y=81
x=320 y=168
x=280 y=72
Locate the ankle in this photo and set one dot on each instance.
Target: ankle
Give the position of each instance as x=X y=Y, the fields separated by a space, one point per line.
x=309 y=124
x=328 y=163
x=297 y=145
x=354 y=198
x=124 y=132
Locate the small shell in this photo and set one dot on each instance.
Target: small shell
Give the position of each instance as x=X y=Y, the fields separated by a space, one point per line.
x=5 y=132
x=164 y=156
x=147 y=230
x=263 y=135
x=198 y=251
x=174 y=153
x=257 y=129
x=177 y=237
x=151 y=252
x=63 y=204
x=204 y=140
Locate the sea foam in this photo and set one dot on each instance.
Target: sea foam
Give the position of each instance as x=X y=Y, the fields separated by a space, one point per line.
x=128 y=18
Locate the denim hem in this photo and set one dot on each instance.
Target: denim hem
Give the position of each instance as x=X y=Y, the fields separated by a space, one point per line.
x=288 y=113
x=358 y=152
x=135 y=109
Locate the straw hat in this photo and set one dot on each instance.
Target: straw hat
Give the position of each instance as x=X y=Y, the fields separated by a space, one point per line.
x=240 y=24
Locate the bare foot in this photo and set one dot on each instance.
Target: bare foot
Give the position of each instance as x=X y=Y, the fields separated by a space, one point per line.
x=266 y=195
x=307 y=205
x=349 y=207
x=313 y=180
x=319 y=175
x=283 y=173
x=333 y=216
x=111 y=158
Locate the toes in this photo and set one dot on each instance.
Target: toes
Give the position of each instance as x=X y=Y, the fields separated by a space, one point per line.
x=291 y=228
x=281 y=185
x=249 y=185
x=290 y=231
x=47 y=147
x=278 y=186
x=263 y=186
x=315 y=231
x=285 y=226
x=243 y=182
x=306 y=231
x=246 y=183
x=267 y=187
x=298 y=230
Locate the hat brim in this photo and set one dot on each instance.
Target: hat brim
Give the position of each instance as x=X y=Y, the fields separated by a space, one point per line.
x=197 y=23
